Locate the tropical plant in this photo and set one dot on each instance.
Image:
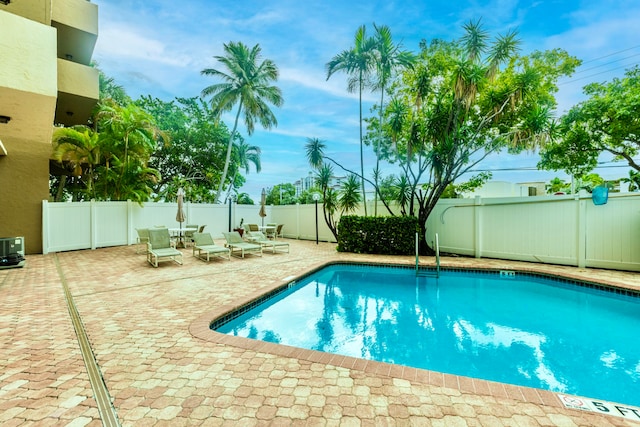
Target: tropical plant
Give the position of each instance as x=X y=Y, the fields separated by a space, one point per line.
x=389 y=57
x=281 y=194
x=244 y=199
x=112 y=160
x=195 y=156
x=633 y=180
x=78 y=148
x=109 y=89
x=609 y=120
x=465 y=100
x=128 y=136
x=334 y=203
x=358 y=62
x=557 y=185
x=247 y=82
x=589 y=182
x=317 y=157
x=462 y=101
x=309 y=196
x=243 y=155
x=134 y=182
x=455 y=191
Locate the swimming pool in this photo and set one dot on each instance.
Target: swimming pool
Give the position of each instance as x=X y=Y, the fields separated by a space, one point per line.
x=509 y=327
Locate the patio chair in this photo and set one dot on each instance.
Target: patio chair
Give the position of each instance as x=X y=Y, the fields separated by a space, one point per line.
x=159 y=248
x=253 y=227
x=279 y=230
x=236 y=244
x=141 y=240
x=259 y=238
x=270 y=230
x=188 y=234
x=204 y=247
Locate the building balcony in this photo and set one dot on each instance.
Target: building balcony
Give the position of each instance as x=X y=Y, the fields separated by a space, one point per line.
x=77 y=25
x=28 y=78
x=78 y=92
x=34 y=10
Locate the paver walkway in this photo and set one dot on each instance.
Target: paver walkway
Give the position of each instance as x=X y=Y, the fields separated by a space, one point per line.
x=137 y=321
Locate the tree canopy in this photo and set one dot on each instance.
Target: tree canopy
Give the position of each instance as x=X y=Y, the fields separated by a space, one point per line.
x=281 y=194
x=461 y=101
x=608 y=121
x=147 y=149
x=194 y=157
x=111 y=162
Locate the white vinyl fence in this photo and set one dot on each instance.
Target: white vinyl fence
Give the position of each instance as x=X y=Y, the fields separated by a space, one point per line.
x=90 y=225
x=568 y=230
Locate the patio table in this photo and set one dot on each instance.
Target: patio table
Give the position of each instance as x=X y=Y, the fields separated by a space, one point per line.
x=266 y=229
x=178 y=234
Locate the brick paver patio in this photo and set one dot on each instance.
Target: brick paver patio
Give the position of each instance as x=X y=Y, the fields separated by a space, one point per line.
x=142 y=326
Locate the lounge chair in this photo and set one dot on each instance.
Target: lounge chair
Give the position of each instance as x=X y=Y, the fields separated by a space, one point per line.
x=159 y=248
x=236 y=244
x=204 y=247
x=259 y=237
x=142 y=239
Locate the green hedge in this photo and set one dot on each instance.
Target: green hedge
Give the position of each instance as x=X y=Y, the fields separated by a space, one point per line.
x=393 y=235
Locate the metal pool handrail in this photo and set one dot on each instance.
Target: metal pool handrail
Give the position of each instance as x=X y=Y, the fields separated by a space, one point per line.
x=437 y=249
x=437 y=256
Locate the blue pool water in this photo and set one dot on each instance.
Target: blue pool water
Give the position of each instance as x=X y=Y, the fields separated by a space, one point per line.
x=525 y=330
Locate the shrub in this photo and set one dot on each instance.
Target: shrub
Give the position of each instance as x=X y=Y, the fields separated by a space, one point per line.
x=394 y=235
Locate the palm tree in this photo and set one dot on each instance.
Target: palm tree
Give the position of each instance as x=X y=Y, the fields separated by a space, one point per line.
x=247 y=83
x=79 y=146
x=131 y=132
x=358 y=62
x=244 y=155
x=129 y=135
x=388 y=58
x=633 y=180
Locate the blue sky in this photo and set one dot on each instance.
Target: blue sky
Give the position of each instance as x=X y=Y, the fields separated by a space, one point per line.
x=158 y=48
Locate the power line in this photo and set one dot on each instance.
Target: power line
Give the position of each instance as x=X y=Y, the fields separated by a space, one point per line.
x=594 y=75
x=573 y=79
x=606 y=63
x=610 y=54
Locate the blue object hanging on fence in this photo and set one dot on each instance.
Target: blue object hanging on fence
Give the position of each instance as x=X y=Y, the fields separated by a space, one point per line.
x=600 y=195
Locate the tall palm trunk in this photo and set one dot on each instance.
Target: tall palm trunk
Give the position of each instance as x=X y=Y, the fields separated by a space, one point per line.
x=228 y=158
x=60 y=192
x=377 y=150
x=233 y=179
x=364 y=196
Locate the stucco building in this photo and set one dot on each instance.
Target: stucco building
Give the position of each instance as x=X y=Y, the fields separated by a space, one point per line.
x=45 y=79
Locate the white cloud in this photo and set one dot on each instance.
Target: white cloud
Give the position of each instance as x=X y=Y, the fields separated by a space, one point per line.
x=121 y=41
x=594 y=39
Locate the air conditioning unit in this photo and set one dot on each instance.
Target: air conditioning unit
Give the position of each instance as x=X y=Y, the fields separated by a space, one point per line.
x=11 y=252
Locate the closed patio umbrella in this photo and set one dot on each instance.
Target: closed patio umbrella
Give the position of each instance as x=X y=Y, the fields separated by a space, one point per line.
x=180 y=216
x=263 y=202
